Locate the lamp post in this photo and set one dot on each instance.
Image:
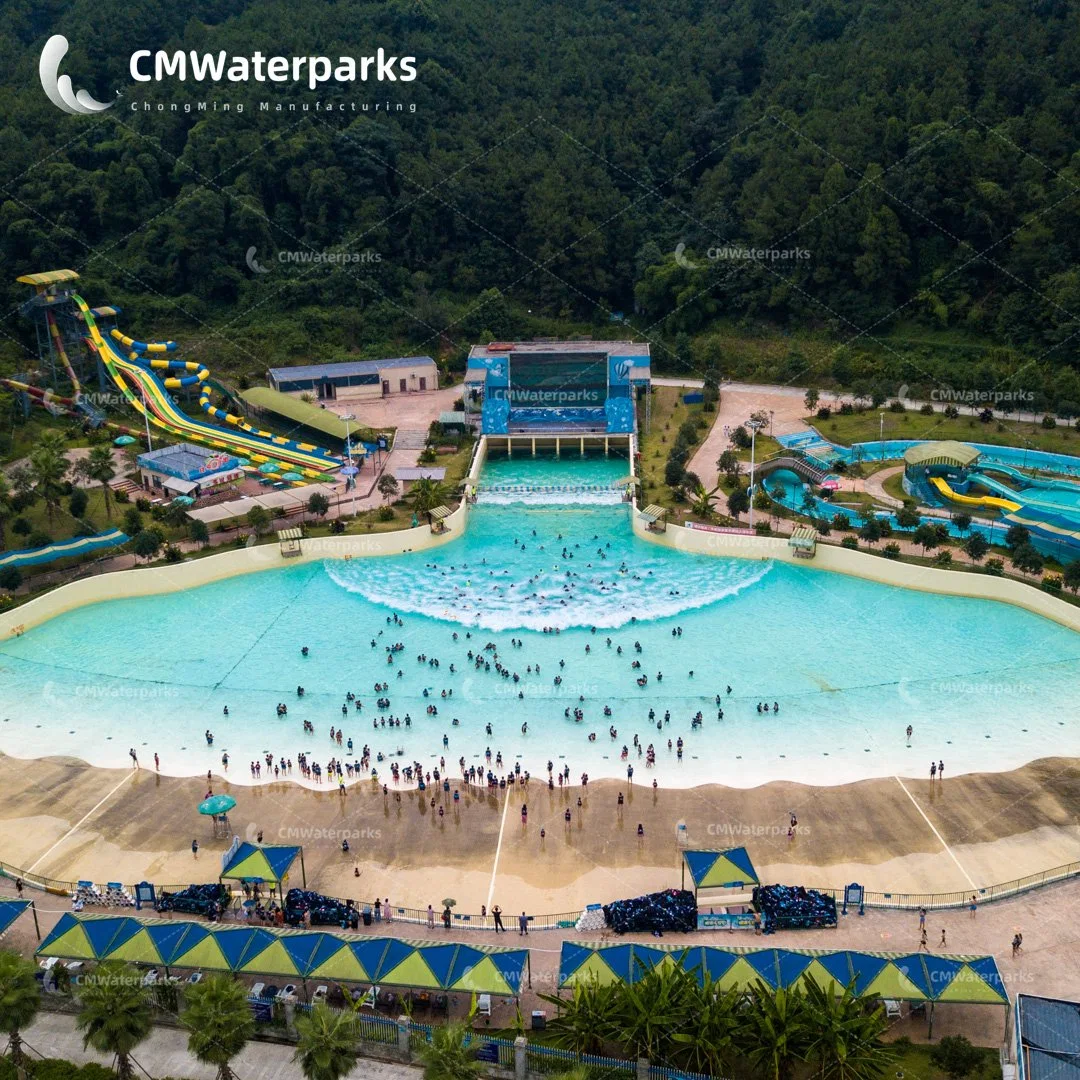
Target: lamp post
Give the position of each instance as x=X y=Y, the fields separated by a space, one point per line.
x=348 y=417
x=753 y=425
x=881 y=435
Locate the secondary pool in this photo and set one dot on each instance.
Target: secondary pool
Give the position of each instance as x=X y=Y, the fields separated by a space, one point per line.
x=550 y=592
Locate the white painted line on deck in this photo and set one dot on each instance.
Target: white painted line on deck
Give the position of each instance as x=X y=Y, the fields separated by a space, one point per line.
x=941 y=840
x=78 y=825
x=498 y=850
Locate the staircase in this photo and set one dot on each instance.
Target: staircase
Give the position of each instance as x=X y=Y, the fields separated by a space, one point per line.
x=410 y=439
x=91 y=412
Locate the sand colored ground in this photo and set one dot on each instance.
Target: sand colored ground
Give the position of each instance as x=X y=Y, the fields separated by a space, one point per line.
x=61 y=818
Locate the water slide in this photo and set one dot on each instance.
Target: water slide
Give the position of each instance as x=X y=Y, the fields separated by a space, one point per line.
x=971 y=500
x=95 y=416
x=57 y=404
x=135 y=366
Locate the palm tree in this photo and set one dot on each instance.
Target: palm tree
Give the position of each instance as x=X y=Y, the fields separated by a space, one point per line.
x=651 y=1009
x=20 y=999
x=845 y=1040
x=219 y=1021
x=701 y=502
x=584 y=1022
x=425 y=495
x=99 y=466
x=327 y=1046
x=114 y=1013
x=48 y=466
x=775 y=1031
x=708 y=1043
x=450 y=1055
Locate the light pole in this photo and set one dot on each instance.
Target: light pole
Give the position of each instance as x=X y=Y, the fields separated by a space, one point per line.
x=881 y=435
x=753 y=425
x=146 y=417
x=348 y=417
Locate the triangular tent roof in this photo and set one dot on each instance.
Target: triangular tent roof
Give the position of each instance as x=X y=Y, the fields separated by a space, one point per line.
x=10 y=910
x=907 y=976
x=268 y=863
x=719 y=869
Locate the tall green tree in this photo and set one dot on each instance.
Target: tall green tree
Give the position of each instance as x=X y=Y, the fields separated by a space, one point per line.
x=114 y=1013
x=20 y=999
x=48 y=467
x=425 y=495
x=326 y=1049
x=98 y=465
x=219 y=1021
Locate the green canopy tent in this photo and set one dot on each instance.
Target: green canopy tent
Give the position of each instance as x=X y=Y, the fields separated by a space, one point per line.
x=289 y=954
x=923 y=978
x=250 y=862
x=726 y=869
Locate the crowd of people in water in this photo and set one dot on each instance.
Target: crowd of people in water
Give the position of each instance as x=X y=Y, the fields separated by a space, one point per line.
x=387 y=765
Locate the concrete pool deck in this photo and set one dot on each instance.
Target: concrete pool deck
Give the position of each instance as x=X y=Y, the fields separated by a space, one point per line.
x=63 y=819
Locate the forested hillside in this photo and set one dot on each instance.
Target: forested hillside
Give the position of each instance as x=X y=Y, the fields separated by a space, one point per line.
x=924 y=157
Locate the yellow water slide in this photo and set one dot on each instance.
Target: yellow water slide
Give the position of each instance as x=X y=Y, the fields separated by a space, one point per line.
x=972 y=500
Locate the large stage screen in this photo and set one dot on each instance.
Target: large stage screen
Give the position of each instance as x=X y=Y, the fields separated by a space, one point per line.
x=558 y=380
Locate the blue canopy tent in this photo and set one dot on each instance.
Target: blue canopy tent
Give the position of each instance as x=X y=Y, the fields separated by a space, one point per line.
x=11 y=909
x=923 y=978
x=287 y=953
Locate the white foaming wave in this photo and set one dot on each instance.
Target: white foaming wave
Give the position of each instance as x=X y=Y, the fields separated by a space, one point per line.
x=626 y=598
x=541 y=498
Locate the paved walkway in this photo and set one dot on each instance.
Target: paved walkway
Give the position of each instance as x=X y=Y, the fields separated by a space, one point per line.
x=165 y=1053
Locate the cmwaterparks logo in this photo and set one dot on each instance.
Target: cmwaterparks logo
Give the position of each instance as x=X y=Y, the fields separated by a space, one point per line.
x=179 y=66
x=57 y=87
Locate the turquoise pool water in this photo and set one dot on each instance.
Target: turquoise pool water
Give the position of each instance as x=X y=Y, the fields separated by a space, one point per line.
x=851 y=663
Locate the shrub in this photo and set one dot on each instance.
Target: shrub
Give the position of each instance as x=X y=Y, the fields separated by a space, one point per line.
x=762 y=528
x=1048 y=421
x=891 y=551
x=927 y=409
x=841 y=522
x=38 y=539
x=850 y=542
x=121 y=496
x=173 y=554
x=824 y=413
x=897 y=406
x=1052 y=584
x=78 y=502
x=956 y=1056
x=740 y=437
x=386 y=513
x=952 y=412
x=943 y=558
x=21 y=527
x=995 y=567
x=142 y=504
x=10 y=577
x=337 y=526
x=846 y=408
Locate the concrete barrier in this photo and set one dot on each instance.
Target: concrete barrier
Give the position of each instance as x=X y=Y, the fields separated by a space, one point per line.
x=862 y=564
x=155 y=580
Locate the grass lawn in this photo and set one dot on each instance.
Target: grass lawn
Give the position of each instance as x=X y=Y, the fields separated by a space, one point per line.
x=19 y=439
x=667 y=412
x=865 y=427
x=913 y=1063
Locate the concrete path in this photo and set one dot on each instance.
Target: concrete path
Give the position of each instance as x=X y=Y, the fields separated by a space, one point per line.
x=165 y=1053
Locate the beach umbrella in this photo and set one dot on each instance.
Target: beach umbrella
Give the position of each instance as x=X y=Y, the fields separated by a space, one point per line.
x=216 y=804
x=123 y=440
x=292 y=476
x=269 y=467
x=349 y=470
x=449 y=902
x=184 y=500
x=830 y=485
